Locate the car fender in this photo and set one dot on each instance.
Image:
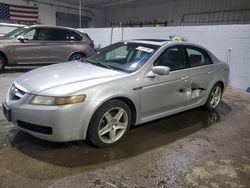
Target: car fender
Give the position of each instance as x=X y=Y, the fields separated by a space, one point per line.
x=211 y=85
x=3 y=53
x=8 y=51
x=98 y=104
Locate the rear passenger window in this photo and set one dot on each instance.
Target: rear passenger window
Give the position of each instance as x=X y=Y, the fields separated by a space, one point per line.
x=172 y=58
x=77 y=36
x=63 y=35
x=85 y=38
x=197 y=57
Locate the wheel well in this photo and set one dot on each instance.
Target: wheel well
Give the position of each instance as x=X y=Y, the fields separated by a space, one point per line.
x=222 y=84
x=82 y=53
x=4 y=56
x=130 y=105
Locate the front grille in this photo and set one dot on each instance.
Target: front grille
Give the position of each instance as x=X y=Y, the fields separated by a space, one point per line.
x=35 y=128
x=15 y=93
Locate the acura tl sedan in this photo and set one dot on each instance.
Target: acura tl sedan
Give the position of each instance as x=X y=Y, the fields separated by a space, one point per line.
x=123 y=85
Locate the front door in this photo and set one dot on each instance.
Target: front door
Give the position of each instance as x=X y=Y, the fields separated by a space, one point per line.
x=163 y=94
x=33 y=48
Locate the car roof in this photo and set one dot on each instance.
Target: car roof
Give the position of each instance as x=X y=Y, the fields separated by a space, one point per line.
x=55 y=27
x=161 y=42
x=158 y=42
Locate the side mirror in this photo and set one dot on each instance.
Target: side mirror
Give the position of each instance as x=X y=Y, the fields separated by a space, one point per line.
x=158 y=70
x=22 y=38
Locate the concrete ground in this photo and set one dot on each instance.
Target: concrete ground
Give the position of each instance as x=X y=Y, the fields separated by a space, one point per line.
x=196 y=148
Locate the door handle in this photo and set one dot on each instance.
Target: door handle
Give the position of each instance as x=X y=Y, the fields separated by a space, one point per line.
x=185 y=78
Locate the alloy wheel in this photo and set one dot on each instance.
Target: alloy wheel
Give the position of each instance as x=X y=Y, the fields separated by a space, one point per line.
x=77 y=58
x=215 y=96
x=113 y=125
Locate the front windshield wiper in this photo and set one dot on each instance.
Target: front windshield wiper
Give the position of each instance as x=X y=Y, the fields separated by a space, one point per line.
x=98 y=64
x=104 y=65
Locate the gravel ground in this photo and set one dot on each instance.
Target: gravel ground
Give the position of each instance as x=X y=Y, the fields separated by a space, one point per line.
x=196 y=148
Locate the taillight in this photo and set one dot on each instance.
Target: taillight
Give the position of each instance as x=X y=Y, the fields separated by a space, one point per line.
x=91 y=45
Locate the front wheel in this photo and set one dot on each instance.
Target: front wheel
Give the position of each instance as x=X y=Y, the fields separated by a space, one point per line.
x=214 y=97
x=109 y=124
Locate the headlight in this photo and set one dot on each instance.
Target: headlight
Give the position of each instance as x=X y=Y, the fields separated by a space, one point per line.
x=50 y=101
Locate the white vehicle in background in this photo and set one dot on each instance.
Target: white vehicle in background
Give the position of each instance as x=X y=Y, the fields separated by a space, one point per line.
x=8 y=27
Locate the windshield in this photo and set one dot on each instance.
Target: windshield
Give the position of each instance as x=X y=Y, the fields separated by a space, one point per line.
x=16 y=32
x=123 y=56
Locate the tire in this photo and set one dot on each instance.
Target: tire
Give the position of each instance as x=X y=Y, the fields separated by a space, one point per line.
x=76 y=57
x=109 y=124
x=214 y=97
x=2 y=63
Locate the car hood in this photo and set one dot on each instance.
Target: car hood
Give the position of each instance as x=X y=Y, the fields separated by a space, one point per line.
x=52 y=76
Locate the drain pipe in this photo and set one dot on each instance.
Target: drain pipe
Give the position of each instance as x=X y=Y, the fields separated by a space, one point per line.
x=229 y=51
x=111 y=35
x=122 y=33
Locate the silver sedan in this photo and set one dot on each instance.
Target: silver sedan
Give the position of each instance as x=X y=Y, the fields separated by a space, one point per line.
x=125 y=84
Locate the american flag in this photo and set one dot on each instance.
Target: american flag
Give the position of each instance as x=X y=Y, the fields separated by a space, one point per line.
x=18 y=13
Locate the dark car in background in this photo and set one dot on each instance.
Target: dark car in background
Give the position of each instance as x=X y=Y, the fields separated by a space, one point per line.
x=41 y=44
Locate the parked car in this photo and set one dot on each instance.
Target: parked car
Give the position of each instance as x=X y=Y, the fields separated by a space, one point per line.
x=44 y=45
x=127 y=83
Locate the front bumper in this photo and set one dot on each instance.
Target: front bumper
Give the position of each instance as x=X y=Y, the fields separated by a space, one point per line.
x=67 y=123
x=7 y=112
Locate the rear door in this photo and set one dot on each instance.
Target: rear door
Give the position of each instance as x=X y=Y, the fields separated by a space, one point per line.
x=34 y=49
x=201 y=72
x=62 y=44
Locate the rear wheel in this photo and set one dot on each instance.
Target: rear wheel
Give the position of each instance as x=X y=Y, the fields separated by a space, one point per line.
x=109 y=124
x=76 y=57
x=214 y=97
x=2 y=63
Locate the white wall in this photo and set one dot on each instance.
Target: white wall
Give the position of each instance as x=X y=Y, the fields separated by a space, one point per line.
x=172 y=11
x=217 y=39
x=6 y=28
x=47 y=14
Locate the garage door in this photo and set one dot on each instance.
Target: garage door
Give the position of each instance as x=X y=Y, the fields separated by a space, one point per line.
x=71 y=20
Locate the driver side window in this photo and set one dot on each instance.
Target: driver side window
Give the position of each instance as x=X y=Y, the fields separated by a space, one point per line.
x=30 y=35
x=173 y=58
x=38 y=34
